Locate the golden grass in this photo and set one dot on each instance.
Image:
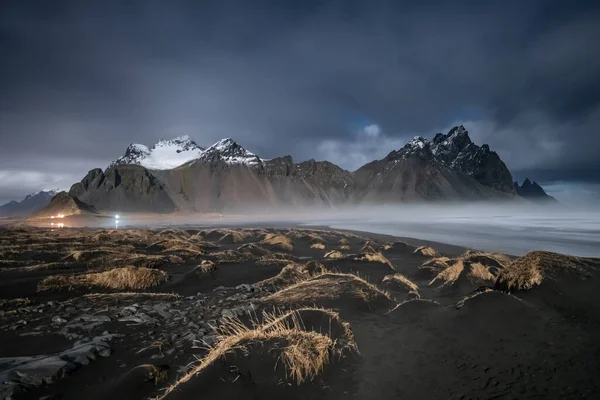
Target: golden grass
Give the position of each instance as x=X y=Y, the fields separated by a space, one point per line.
x=207 y=267
x=329 y=287
x=276 y=259
x=533 y=268
x=234 y=237
x=486 y=257
x=481 y=273
x=375 y=257
x=158 y=374
x=319 y=246
x=403 y=281
x=89 y=254
x=278 y=241
x=334 y=255
x=293 y=273
x=302 y=354
x=36 y=267
x=124 y=278
x=368 y=248
x=344 y=247
x=426 y=251
x=449 y=275
x=479 y=268
x=253 y=249
x=131 y=296
x=15 y=303
x=230 y=256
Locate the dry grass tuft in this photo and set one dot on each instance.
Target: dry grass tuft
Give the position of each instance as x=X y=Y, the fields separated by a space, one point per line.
x=276 y=259
x=334 y=255
x=294 y=273
x=205 y=268
x=158 y=374
x=253 y=250
x=279 y=242
x=344 y=242
x=230 y=256
x=298 y=354
x=128 y=296
x=330 y=290
x=320 y=246
x=232 y=237
x=426 y=251
x=125 y=278
x=375 y=257
x=449 y=275
x=403 y=282
x=533 y=268
x=477 y=268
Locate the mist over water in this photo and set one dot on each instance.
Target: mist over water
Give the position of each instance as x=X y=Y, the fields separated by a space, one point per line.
x=514 y=230
x=506 y=227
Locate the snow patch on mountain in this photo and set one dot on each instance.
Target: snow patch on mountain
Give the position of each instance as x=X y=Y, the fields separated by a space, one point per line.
x=169 y=154
x=229 y=151
x=166 y=154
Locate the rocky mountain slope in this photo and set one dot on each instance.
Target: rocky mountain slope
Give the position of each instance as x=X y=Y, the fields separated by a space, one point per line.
x=226 y=176
x=457 y=151
x=533 y=191
x=414 y=173
x=30 y=204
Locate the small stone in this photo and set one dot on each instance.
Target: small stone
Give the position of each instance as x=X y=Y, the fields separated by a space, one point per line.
x=209 y=340
x=104 y=352
x=58 y=320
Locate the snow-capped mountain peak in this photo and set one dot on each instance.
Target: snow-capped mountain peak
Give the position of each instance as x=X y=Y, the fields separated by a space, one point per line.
x=165 y=154
x=229 y=151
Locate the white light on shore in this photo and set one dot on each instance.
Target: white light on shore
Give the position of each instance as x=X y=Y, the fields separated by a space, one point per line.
x=117 y=216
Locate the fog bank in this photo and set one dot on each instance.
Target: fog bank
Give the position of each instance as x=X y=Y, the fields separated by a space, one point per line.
x=506 y=227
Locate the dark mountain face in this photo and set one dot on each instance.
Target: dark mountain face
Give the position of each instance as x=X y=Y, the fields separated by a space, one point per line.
x=129 y=188
x=30 y=204
x=458 y=152
x=415 y=173
x=532 y=191
x=64 y=203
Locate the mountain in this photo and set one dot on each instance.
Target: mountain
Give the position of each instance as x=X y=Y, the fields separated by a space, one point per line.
x=457 y=151
x=67 y=205
x=532 y=191
x=31 y=203
x=423 y=170
x=226 y=176
x=229 y=152
x=131 y=188
x=165 y=154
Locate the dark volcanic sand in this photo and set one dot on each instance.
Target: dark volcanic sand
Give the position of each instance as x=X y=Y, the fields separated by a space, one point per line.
x=452 y=343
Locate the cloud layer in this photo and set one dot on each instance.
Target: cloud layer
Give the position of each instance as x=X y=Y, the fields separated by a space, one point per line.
x=347 y=81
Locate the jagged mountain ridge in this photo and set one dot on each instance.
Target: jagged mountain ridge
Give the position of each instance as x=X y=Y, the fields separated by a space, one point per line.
x=227 y=176
x=533 y=191
x=31 y=203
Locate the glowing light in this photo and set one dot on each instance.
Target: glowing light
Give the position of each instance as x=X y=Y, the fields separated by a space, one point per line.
x=61 y=224
x=52 y=217
x=52 y=223
x=117 y=216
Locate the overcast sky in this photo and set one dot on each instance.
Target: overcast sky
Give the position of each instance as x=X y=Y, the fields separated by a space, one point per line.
x=345 y=80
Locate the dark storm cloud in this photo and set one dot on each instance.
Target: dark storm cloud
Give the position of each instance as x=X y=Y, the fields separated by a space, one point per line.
x=81 y=80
